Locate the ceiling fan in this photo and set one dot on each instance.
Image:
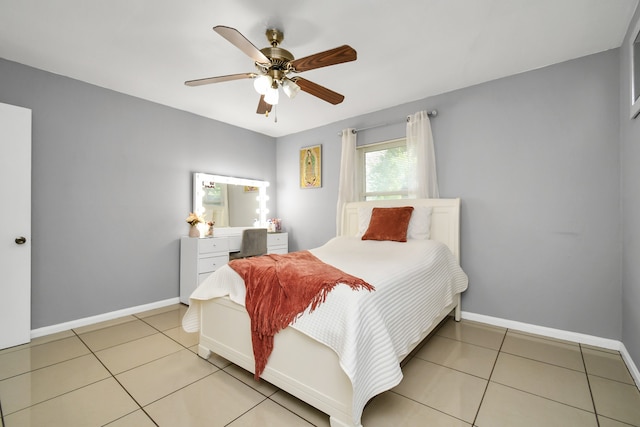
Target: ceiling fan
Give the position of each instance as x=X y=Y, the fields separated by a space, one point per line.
x=274 y=68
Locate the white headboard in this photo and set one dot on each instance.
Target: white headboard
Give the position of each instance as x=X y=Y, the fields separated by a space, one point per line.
x=445 y=219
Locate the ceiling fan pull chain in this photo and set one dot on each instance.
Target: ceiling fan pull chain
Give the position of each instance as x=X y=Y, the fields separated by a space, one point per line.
x=275 y=114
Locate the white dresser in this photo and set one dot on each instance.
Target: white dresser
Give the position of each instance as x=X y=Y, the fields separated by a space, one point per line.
x=200 y=257
x=277 y=243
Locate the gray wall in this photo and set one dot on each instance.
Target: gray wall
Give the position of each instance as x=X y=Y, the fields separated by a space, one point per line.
x=112 y=189
x=534 y=158
x=630 y=195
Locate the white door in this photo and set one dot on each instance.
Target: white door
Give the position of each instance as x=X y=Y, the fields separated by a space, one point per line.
x=15 y=225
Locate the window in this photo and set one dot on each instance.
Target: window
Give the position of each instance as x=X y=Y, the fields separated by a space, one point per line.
x=382 y=170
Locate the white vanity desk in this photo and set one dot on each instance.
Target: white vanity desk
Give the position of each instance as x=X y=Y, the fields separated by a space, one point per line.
x=200 y=257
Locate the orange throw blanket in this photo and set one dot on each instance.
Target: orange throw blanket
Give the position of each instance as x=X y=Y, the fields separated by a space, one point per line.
x=280 y=288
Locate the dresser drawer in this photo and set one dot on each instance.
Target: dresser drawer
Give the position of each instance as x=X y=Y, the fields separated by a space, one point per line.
x=277 y=239
x=213 y=245
x=278 y=250
x=209 y=264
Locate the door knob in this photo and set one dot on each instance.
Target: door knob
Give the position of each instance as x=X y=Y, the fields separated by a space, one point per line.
x=21 y=240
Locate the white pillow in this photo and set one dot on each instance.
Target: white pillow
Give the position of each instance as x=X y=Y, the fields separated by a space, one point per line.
x=419 y=224
x=364 y=216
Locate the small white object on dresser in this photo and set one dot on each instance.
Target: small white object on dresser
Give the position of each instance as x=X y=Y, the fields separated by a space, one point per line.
x=198 y=259
x=277 y=243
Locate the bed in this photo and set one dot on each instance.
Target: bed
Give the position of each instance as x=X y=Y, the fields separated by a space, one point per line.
x=333 y=367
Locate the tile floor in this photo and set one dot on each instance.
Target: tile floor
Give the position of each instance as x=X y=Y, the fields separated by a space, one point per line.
x=142 y=371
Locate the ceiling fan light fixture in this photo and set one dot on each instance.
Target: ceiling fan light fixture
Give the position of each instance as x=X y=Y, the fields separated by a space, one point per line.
x=272 y=96
x=262 y=84
x=290 y=88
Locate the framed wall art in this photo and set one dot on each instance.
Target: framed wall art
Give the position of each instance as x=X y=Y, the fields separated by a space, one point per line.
x=311 y=167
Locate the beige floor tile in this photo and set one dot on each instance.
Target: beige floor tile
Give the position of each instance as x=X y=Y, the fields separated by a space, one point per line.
x=507 y=407
x=14 y=348
x=167 y=320
x=391 y=409
x=447 y=390
x=469 y=358
x=134 y=419
x=187 y=339
x=607 y=350
x=607 y=365
x=154 y=380
x=164 y=309
x=135 y=353
x=306 y=411
x=40 y=340
x=93 y=405
x=555 y=352
x=33 y=387
x=105 y=324
x=608 y=422
x=616 y=400
x=216 y=400
x=270 y=414
x=246 y=377
x=473 y=333
x=219 y=361
x=549 y=381
x=39 y=356
x=118 y=334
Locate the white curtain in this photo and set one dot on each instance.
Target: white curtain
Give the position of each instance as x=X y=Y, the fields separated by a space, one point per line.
x=423 y=179
x=347 y=183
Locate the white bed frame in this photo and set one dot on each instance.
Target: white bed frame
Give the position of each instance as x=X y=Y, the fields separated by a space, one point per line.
x=298 y=364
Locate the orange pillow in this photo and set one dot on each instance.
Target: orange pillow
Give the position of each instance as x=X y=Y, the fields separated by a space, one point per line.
x=389 y=224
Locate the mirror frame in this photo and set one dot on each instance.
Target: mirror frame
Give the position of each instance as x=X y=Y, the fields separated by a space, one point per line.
x=634 y=51
x=262 y=198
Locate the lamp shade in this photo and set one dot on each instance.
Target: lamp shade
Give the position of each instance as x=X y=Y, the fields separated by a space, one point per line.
x=290 y=88
x=262 y=83
x=272 y=96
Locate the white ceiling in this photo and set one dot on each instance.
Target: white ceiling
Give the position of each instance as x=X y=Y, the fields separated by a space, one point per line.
x=407 y=49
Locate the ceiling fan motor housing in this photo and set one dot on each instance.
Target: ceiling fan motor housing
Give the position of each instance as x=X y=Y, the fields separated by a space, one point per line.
x=279 y=57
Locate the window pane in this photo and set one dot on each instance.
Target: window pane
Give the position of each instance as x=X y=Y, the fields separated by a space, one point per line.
x=386 y=170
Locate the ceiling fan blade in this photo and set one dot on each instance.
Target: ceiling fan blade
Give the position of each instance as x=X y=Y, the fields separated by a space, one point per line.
x=263 y=107
x=335 y=56
x=219 y=79
x=319 y=91
x=238 y=40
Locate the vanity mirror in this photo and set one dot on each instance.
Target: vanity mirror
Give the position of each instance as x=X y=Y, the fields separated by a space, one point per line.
x=229 y=201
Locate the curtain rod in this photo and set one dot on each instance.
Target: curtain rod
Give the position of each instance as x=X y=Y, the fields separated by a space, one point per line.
x=432 y=113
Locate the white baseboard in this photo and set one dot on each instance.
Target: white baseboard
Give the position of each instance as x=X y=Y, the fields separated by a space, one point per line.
x=562 y=335
x=632 y=366
x=60 y=327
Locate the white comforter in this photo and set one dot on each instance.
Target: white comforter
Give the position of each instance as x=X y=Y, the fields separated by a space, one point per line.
x=370 y=331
